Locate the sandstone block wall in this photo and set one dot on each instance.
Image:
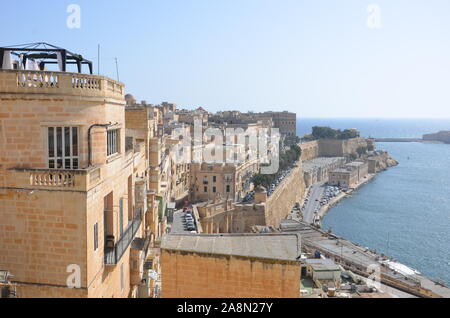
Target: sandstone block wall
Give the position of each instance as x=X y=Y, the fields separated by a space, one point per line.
x=284 y=198
x=340 y=148
x=192 y=275
x=310 y=150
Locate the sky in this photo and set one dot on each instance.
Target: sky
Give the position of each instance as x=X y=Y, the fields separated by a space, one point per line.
x=314 y=57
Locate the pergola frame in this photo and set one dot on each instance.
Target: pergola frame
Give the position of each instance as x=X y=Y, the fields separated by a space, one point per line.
x=47 y=54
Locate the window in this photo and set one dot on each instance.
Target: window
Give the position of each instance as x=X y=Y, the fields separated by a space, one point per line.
x=129 y=144
x=214 y=179
x=214 y=189
x=63 y=148
x=96 y=236
x=206 y=189
x=113 y=142
x=228 y=189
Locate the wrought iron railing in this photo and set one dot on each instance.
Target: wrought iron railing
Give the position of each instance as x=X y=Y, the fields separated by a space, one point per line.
x=113 y=255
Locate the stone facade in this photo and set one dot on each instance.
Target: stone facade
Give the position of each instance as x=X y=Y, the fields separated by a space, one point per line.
x=53 y=198
x=310 y=150
x=350 y=174
x=227 y=217
x=226 y=273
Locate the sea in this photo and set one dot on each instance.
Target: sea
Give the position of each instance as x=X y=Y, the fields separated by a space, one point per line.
x=403 y=212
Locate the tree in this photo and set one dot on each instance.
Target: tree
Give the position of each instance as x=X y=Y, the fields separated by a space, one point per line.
x=323 y=132
x=361 y=150
x=330 y=133
x=348 y=134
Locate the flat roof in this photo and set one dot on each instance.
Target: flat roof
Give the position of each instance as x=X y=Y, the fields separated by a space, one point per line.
x=281 y=246
x=321 y=265
x=355 y=163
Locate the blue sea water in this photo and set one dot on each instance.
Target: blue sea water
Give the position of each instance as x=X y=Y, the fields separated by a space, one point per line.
x=405 y=211
x=378 y=128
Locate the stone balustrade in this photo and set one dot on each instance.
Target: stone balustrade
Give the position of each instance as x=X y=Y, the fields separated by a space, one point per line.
x=54 y=180
x=59 y=83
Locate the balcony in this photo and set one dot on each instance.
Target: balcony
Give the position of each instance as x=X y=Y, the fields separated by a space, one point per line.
x=114 y=254
x=59 y=83
x=53 y=180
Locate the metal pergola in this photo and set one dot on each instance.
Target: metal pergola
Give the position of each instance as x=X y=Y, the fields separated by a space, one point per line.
x=46 y=54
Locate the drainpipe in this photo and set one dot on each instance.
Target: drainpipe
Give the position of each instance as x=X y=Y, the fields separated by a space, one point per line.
x=90 y=142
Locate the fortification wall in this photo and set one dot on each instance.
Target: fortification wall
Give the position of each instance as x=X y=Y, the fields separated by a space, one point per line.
x=239 y=219
x=340 y=148
x=310 y=150
x=284 y=198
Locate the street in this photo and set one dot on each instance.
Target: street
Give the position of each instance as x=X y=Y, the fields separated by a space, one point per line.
x=316 y=193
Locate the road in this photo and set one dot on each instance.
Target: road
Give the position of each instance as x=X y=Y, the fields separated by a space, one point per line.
x=316 y=193
x=178 y=224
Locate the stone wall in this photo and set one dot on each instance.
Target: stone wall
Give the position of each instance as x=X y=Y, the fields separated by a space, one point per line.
x=285 y=196
x=240 y=218
x=380 y=162
x=195 y=275
x=332 y=147
x=310 y=150
x=231 y=218
x=340 y=148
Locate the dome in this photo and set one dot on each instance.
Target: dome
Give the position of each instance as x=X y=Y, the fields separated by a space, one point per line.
x=130 y=99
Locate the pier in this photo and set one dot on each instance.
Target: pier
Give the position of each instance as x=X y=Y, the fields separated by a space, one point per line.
x=360 y=261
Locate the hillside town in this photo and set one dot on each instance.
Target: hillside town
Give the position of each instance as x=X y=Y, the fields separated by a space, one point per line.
x=103 y=195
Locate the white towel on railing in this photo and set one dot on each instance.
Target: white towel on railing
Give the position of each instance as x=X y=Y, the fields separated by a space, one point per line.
x=21 y=62
x=31 y=65
x=7 y=61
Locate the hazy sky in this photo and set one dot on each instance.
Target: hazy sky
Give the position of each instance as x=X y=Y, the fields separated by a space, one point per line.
x=316 y=58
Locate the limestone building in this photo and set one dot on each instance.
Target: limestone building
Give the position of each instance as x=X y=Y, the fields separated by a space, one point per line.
x=73 y=200
x=285 y=121
x=349 y=175
x=231 y=266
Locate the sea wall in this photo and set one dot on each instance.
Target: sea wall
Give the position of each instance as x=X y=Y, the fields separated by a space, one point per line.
x=381 y=161
x=286 y=195
x=332 y=147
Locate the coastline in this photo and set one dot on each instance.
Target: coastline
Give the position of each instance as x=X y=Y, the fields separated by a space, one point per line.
x=343 y=195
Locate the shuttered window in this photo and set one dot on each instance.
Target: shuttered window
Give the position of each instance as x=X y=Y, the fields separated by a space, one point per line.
x=113 y=142
x=63 y=148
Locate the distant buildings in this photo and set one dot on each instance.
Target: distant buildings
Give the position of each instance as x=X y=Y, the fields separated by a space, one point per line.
x=317 y=170
x=349 y=175
x=442 y=136
x=285 y=121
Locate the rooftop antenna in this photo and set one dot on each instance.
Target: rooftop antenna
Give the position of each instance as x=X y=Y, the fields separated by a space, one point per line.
x=117 y=70
x=98 y=60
